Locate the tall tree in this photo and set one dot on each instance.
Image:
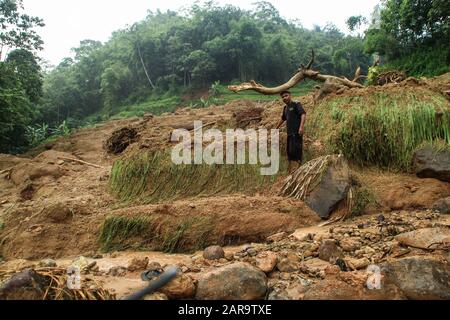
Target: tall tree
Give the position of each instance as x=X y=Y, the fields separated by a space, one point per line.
x=17 y=28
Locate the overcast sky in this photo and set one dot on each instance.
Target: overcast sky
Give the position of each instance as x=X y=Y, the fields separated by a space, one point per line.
x=70 y=21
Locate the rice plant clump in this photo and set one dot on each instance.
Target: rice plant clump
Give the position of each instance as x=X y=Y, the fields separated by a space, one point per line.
x=380 y=129
x=151 y=177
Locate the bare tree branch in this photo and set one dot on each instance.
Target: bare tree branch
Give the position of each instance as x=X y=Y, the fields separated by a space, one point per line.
x=304 y=72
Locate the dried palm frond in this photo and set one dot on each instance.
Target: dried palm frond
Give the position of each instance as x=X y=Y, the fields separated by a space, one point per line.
x=307 y=177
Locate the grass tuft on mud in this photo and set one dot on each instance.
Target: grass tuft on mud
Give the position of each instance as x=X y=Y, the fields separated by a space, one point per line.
x=151 y=177
x=170 y=235
x=381 y=129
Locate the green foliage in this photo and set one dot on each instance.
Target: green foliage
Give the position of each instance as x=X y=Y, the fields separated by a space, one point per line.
x=363 y=196
x=426 y=61
x=35 y=135
x=17 y=29
x=16 y=110
x=117 y=229
x=154 y=232
x=381 y=129
x=194 y=49
x=413 y=35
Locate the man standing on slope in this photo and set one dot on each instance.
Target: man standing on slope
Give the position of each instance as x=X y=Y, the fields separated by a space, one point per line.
x=295 y=117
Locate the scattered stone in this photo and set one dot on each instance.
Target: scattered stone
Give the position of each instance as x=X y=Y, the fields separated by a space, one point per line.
x=288 y=265
x=267 y=261
x=420 y=278
x=117 y=271
x=314 y=266
x=294 y=291
x=334 y=288
x=431 y=163
x=213 y=253
x=329 y=251
x=356 y=264
x=81 y=263
x=47 y=263
x=138 y=264
x=181 y=287
x=428 y=238
x=350 y=244
x=442 y=206
x=237 y=281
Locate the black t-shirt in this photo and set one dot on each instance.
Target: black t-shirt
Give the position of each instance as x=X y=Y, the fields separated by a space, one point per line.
x=292 y=115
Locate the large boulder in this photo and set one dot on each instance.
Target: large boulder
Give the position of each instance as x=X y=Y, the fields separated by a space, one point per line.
x=427 y=238
x=322 y=183
x=431 y=163
x=332 y=188
x=237 y=281
x=420 y=278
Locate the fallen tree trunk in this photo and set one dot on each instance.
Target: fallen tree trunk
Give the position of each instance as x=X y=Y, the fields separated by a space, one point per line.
x=332 y=83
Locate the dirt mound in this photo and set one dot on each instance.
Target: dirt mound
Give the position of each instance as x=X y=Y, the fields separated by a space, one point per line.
x=404 y=191
x=120 y=140
x=8 y=161
x=178 y=226
x=246 y=116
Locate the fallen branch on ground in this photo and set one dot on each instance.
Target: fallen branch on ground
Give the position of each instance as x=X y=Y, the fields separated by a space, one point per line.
x=81 y=161
x=331 y=83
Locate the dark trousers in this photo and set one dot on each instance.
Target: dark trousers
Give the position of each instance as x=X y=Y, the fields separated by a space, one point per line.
x=295 y=147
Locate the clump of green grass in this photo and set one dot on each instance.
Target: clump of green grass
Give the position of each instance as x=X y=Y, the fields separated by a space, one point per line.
x=363 y=196
x=170 y=235
x=150 y=177
x=381 y=129
x=116 y=230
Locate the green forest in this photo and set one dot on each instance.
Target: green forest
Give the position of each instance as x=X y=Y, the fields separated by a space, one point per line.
x=169 y=58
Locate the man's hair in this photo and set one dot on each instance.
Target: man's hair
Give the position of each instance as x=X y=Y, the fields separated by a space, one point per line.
x=284 y=92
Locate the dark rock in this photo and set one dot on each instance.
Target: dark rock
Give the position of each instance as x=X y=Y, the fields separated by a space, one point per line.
x=431 y=163
x=213 y=253
x=26 y=285
x=237 y=281
x=332 y=188
x=442 y=205
x=420 y=278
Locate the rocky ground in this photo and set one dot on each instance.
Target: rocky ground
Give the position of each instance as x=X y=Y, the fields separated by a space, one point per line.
x=54 y=200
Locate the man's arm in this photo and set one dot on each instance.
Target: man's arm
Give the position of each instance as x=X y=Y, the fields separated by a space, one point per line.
x=280 y=124
x=302 y=124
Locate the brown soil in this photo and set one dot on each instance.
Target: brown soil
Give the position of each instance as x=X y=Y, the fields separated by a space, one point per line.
x=54 y=207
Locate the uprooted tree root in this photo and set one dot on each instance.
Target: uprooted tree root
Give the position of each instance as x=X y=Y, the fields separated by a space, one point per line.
x=52 y=284
x=392 y=76
x=120 y=140
x=331 y=83
x=246 y=116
